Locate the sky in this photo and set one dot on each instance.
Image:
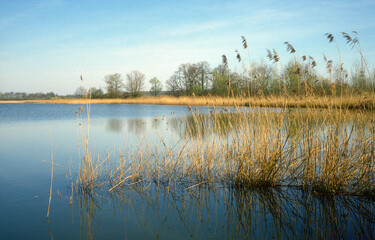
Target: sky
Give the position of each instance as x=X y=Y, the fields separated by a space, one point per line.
x=46 y=45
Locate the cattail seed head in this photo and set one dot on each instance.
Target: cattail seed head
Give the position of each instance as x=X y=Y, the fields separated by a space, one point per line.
x=244 y=42
x=225 y=60
x=330 y=37
x=290 y=48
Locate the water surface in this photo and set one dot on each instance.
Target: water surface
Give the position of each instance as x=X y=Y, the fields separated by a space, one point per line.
x=28 y=131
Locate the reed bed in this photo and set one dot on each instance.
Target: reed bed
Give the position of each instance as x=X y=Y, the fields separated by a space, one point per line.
x=324 y=152
x=362 y=101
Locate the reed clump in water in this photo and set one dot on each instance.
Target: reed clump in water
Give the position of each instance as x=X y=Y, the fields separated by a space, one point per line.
x=89 y=167
x=328 y=152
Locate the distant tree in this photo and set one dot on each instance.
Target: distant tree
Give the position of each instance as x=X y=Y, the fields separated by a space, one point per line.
x=174 y=85
x=220 y=80
x=264 y=79
x=48 y=95
x=114 y=85
x=190 y=78
x=156 y=86
x=96 y=93
x=205 y=75
x=80 y=92
x=134 y=83
x=23 y=95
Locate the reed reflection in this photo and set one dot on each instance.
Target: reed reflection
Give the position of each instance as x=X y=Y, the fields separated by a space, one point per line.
x=211 y=212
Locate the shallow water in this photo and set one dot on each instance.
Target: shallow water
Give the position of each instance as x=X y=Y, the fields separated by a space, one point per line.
x=143 y=212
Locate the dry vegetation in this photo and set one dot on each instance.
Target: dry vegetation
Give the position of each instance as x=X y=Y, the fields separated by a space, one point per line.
x=363 y=101
x=328 y=152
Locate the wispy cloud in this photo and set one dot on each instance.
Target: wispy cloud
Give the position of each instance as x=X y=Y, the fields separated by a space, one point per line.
x=29 y=12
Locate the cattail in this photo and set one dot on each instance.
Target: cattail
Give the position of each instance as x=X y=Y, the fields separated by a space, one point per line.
x=347 y=37
x=330 y=37
x=276 y=57
x=81 y=78
x=329 y=66
x=238 y=55
x=313 y=64
x=269 y=55
x=349 y=40
x=244 y=42
x=273 y=57
x=290 y=48
x=303 y=58
x=225 y=60
x=328 y=63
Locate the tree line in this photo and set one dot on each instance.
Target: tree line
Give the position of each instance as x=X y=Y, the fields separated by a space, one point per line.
x=26 y=96
x=298 y=77
x=117 y=88
x=197 y=79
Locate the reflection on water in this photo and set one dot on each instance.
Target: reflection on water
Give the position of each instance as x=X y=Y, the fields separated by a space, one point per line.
x=151 y=211
x=115 y=125
x=198 y=125
x=132 y=125
x=206 y=213
x=135 y=126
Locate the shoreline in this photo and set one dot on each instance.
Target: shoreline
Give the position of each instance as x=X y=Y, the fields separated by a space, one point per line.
x=350 y=102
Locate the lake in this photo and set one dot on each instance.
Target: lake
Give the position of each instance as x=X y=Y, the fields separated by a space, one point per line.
x=148 y=210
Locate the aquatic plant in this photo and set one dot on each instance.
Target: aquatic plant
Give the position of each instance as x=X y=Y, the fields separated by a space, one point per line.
x=310 y=149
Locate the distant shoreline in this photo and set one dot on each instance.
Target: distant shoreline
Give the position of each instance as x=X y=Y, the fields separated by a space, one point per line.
x=350 y=102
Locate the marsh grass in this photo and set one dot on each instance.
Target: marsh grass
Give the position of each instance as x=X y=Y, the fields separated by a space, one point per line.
x=324 y=152
x=359 y=101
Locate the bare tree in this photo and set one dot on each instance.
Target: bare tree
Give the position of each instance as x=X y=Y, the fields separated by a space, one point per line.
x=205 y=75
x=156 y=86
x=80 y=92
x=190 y=78
x=135 y=82
x=114 y=85
x=174 y=85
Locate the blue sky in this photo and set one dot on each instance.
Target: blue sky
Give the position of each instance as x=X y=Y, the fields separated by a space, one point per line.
x=46 y=45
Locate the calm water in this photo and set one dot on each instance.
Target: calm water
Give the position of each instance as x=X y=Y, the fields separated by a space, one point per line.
x=28 y=131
